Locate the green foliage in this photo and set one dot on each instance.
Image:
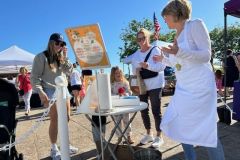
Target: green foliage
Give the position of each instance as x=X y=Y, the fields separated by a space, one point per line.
x=169 y=37
x=129 y=33
x=129 y=36
x=233 y=39
x=130 y=45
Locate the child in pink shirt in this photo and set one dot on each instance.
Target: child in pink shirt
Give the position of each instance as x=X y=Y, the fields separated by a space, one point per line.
x=218 y=78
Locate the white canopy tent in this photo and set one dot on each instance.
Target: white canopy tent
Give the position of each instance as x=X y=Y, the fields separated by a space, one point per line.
x=13 y=58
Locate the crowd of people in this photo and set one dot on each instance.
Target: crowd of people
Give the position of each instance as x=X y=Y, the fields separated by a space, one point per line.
x=192 y=108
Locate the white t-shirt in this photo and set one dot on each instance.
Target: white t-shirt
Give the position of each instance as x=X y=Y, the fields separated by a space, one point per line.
x=138 y=56
x=75 y=77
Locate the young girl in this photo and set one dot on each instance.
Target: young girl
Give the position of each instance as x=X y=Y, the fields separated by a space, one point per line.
x=218 y=78
x=120 y=86
x=23 y=82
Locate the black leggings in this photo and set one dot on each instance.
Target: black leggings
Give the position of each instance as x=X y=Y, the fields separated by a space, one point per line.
x=155 y=99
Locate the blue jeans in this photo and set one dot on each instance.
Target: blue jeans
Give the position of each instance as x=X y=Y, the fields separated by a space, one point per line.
x=49 y=92
x=213 y=153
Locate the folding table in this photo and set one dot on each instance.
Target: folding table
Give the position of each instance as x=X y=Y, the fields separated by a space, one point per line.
x=115 y=111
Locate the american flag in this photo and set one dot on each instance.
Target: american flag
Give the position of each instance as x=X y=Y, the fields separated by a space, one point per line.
x=157 y=27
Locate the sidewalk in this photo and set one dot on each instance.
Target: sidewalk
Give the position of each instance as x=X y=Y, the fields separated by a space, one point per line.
x=37 y=146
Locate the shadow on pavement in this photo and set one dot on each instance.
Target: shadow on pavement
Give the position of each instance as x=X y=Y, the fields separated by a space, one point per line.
x=31 y=117
x=86 y=155
x=82 y=156
x=230 y=139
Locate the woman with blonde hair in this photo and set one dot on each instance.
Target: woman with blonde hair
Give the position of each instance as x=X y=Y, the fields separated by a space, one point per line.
x=153 y=85
x=191 y=116
x=23 y=84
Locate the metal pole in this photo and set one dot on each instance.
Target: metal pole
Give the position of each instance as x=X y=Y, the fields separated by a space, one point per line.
x=225 y=55
x=128 y=69
x=62 y=117
x=99 y=118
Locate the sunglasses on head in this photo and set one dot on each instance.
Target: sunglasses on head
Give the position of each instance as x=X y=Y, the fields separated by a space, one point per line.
x=139 y=39
x=57 y=43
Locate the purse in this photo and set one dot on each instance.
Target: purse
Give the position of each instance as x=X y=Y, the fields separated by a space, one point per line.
x=145 y=73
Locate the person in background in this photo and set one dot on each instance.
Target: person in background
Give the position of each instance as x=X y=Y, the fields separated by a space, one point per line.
x=23 y=82
x=153 y=85
x=120 y=86
x=237 y=61
x=47 y=65
x=76 y=84
x=212 y=57
x=218 y=78
x=238 y=57
x=191 y=116
x=232 y=72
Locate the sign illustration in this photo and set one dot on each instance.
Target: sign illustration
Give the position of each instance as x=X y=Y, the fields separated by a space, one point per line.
x=88 y=46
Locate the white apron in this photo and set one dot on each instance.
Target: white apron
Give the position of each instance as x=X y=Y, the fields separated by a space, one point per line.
x=191 y=116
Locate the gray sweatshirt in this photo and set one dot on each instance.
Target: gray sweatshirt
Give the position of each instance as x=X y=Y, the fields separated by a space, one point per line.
x=42 y=76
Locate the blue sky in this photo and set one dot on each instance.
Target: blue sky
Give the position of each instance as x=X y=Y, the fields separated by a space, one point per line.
x=29 y=23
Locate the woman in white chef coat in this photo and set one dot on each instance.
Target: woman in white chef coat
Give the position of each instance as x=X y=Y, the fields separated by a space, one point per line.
x=191 y=117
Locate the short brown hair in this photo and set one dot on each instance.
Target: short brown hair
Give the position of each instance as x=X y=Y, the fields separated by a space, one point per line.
x=181 y=9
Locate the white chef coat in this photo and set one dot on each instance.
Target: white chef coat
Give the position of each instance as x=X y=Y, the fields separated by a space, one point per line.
x=191 y=116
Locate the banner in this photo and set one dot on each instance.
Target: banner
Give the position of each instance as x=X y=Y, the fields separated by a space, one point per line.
x=88 y=46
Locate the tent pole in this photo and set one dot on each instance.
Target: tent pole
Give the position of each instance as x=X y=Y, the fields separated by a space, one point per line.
x=225 y=54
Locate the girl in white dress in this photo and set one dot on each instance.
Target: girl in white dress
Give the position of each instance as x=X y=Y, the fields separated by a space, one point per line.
x=191 y=116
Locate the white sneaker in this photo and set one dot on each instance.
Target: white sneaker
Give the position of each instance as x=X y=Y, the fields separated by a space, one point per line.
x=55 y=154
x=146 y=139
x=158 y=141
x=72 y=149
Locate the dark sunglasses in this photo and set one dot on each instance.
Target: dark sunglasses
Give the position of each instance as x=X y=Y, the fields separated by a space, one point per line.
x=141 y=39
x=59 y=44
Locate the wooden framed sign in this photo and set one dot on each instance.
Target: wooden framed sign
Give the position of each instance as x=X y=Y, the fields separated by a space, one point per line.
x=88 y=46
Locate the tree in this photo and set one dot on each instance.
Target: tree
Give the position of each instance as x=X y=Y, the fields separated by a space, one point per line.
x=233 y=39
x=130 y=45
x=129 y=36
